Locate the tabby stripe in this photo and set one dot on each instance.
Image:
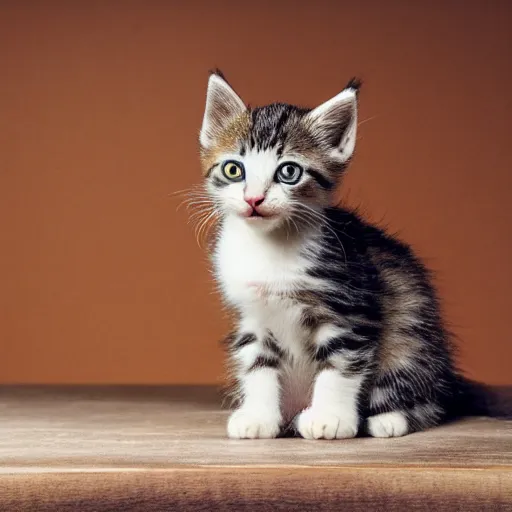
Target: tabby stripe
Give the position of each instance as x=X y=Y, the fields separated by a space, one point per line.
x=210 y=170
x=265 y=362
x=337 y=345
x=277 y=129
x=309 y=320
x=367 y=331
x=271 y=344
x=243 y=340
x=320 y=179
x=372 y=314
x=356 y=367
x=217 y=182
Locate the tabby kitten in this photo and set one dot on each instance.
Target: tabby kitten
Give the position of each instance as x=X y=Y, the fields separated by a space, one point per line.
x=339 y=328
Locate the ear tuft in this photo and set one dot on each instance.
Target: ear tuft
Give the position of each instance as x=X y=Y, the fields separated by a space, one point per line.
x=223 y=105
x=218 y=72
x=355 y=84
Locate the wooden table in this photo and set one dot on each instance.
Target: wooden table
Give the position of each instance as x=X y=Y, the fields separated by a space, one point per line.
x=164 y=448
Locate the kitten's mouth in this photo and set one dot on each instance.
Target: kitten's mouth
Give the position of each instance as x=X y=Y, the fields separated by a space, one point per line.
x=258 y=215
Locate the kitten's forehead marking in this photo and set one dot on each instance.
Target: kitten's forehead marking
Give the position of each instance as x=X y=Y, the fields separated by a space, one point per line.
x=270 y=125
x=274 y=131
x=262 y=129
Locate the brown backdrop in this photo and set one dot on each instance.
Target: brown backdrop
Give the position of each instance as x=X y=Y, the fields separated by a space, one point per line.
x=101 y=279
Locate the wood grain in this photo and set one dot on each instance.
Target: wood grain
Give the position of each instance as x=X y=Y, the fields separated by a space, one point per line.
x=136 y=448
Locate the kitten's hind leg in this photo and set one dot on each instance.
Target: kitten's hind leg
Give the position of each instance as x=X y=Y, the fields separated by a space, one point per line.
x=401 y=407
x=388 y=424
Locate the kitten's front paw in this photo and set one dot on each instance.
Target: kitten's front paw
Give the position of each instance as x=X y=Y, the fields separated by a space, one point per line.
x=249 y=424
x=324 y=424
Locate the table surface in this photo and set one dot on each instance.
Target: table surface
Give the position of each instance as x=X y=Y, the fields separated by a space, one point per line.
x=160 y=427
x=123 y=430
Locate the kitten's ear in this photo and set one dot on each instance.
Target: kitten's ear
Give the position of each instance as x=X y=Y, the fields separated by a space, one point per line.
x=222 y=105
x=335 y=122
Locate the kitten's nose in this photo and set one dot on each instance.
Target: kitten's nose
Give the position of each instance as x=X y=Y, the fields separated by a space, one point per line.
x=254 y=200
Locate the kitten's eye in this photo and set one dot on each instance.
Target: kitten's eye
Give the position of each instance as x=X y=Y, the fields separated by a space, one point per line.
x=233 y=171
x=289 y=173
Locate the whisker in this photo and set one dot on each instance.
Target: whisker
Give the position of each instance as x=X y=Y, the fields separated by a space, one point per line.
x=196 y=216
x=189 y=204
x=199 y=227
x=190 y=190
x=366 y=120
x=207 y=221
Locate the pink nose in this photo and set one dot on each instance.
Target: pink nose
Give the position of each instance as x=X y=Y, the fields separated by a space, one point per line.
x=254 y=200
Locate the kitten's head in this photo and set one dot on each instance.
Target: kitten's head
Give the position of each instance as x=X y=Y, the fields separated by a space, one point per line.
x=275 y=165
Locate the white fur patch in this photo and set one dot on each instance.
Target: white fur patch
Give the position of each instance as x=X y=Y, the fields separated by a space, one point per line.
x=256 y=275
x=327 y=332
x=324 y=424
x=253 y=423
x=246 y=356
x=260 y=169
x=260 y=415
x=388 y=424
x=333 y=412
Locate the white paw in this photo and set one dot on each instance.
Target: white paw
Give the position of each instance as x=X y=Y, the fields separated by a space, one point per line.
x=388 y=424
x=249 y=424
x=323 y=424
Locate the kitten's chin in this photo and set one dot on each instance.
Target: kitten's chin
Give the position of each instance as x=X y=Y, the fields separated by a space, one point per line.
x=268 y=223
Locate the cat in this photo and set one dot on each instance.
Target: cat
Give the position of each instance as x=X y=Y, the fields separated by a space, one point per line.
x=339 y=330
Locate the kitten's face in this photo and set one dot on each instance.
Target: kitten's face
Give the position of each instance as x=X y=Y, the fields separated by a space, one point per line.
x=277 y=165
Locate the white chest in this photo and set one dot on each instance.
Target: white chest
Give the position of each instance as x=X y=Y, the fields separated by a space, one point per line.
x=256 y=275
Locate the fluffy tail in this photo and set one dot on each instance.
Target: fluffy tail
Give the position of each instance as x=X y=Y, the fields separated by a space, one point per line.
x=476 y=399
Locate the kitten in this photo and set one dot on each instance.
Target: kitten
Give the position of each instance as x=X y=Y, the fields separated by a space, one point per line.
x=339 y=328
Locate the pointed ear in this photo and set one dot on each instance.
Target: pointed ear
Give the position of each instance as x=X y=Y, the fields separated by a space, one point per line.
x=222 y=106
x=334 y=123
